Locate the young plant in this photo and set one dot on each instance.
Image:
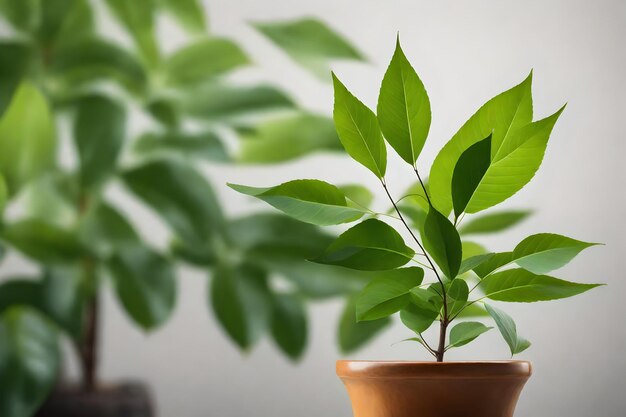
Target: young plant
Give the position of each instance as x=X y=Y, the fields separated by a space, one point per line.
x=492 y=156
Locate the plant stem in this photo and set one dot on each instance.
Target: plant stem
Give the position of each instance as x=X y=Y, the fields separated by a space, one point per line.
x=443 y=328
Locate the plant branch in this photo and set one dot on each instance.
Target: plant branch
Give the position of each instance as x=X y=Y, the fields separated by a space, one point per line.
x=422 y=184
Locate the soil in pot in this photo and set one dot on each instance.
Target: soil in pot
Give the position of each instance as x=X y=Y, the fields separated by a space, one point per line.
x=431 y=389
x=124 y=400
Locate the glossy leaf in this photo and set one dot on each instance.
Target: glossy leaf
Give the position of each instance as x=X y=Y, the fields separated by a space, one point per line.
x=494 y=222
x=310 y=43
x=358 y=130
x=181 y=196
x=286 y=138
x=310 y=201
x=465 y=332
x=403 y=108
x=442 y=242
x=545 y=252
x=15 y=60
x=499 y=117
x=43 y=241
x=354 y=335
x=189 y=13
x=417 y=318
x=468 y=173
x=508 y=330
x=427 y=298
x=289 y=324
x=29 y=361
x=241 y=303
x=522 y=286
x=99 y=131
x=202 y=60
x=203 y=145
x=371 y=245
x=388 y=293
x=27 y=137
x=145 y=284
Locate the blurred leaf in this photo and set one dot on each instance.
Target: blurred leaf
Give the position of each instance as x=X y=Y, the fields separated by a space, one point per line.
x=415 y=214
x=458 y=292
x=442 y=242
x=189 y=13
x=105 y=230
x=371 y=245
x=27 y=137
x=388 y=293
x=310 y=43
x=19 y=291
x=15 y=61
x=471 y=249
x=23 y=15
x=75 y=24
x=354 y=335
x=357 y=194
x=358 y=130
x=508 y=330
x=4 y=193
x=166 y=111
x=203 y=60
x=286 y=138
x=311 y=201
x=53 y=15
x=499 y=116
x=522 y=286
x=545 y=252
x=181 y=196
x=222 y=102
x=43 y=241
x=92 y=59
x=99 y=131
x=203 y=256
x=63 y=296
x=494 y=222
x=29 y=361
x=415 y=196
x=137 y=17
x=51 y=198
x=241 y=303
x=468 y=173
x=463 y=333
x=289 y=324
x=417 y=318
x=498 y=260
x=145 y=284
x=403 y=108
x=203 y=145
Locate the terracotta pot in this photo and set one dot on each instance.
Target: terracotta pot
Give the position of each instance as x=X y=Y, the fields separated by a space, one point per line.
x=124 y=400
x=430 y=389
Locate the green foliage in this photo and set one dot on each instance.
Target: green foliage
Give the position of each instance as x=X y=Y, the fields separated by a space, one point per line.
x=494 y=222
x=442 y=241
x=468 y=172
x=188 y=12
x=546 y=252
x=355 y=334
x=508 y=329
x=289 y=324
x=465 y=332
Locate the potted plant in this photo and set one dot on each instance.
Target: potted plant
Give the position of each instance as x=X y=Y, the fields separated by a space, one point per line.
x=491 y=157
x=67 y=85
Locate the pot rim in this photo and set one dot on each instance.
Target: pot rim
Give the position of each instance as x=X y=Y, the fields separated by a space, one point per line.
x=365 y=369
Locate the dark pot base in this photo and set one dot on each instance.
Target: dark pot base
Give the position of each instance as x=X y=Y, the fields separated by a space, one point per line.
x=123 y=400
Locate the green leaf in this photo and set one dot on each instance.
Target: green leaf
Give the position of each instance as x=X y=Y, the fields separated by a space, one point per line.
x=181 y=196
x=371 y=245
x=522 y=286
x=388 y=293
x=29 y=361
x=289 y=324
x=508 y=330
x=473 y=311
x=457 y=296
x=442 y=242
x=545 y=252
x=137 y=17
x=310 y=201
x=287 y=138
x=241 y=303
x=403 y=108
x=51 y=198
x=468 y=173
x=474 y=261
x=494 y=222
x=27 y=137
x=464 y=333
x=427 y=298
x=220 y=102
x=354 y=335
x=310 y=43
x=202 y=60
x=92 y=59
x=166 y=111
x=501 y=115
x=69 y=24
x=19 y=291
x=357 y=195
x=203 y=145
x=145 y=284
x=23 y=15
x=497 y=261
x=99 y=131
x=104 y=230
x=417 y=318
x=4 y=193
x=63 y=296
x=358 y=130
x=15 y=61
x=189 y=13
x=43 y=241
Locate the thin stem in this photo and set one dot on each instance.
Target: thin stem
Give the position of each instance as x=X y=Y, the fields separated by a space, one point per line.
x=422 y=184
x=431 y=350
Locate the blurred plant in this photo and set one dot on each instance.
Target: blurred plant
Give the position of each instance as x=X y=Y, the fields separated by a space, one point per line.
x=64 y=84
x=492 y=156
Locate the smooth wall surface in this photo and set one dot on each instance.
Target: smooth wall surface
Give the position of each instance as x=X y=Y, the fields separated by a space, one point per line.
x=465 y=52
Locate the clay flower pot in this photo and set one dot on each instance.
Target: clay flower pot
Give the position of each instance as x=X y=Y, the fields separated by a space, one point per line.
x=430 y=389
